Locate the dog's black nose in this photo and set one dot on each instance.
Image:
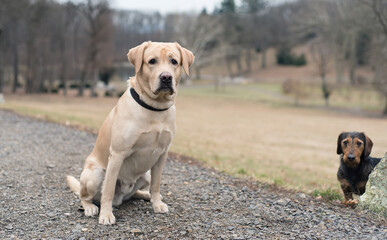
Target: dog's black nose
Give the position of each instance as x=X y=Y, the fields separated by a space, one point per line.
x=166 y=77
x=351 y=157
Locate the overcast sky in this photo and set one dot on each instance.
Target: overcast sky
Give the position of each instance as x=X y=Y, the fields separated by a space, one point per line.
x=165 y=6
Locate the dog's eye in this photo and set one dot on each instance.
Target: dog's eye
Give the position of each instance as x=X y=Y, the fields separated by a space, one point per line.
x=359 y=144
x=173 y=61
x=345 y=143
x=152 y=61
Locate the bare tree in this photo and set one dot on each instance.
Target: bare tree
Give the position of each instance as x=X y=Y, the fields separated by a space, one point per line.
x=254 y=35
x=67 y=18
x=202 y=34
x=36 y=44
x=338 y=23
x=1 y=60
x=14 y=13
x=378 y=11
x=96 y=13
x=232 y=34
x=321 y=56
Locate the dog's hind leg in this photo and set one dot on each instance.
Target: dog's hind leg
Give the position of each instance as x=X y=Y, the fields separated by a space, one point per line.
x=91 y=180
x=138 y=189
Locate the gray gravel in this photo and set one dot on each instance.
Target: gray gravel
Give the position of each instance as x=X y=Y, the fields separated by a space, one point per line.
x=35 y=157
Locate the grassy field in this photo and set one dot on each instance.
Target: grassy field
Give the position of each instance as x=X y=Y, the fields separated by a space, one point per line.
x=247 y=130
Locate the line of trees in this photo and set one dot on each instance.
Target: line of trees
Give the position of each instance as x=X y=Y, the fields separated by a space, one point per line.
x=43 y=41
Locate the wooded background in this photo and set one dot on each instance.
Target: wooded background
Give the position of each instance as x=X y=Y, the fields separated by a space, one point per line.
x=46 y=45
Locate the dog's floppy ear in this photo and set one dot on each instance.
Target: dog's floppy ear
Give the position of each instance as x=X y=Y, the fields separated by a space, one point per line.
x=187 y=58
x=136 y=55
x=368 y=145
x=339 y=139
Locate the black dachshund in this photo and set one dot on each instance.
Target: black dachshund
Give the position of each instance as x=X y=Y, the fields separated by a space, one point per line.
x=355 y=163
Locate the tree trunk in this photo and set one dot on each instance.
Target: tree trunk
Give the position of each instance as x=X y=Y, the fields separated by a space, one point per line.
x=82 y=80
x=15 y=54
x=325 y=90
x=94 y=81
x=263 y=62
x=62 y=77
x=385 y=107
x=31 y=64
x=1 y=78
x=228 y=67
x=248 y=60
x=197 y=72
x=63 y=66
x=30 y=79
x=50 y=77
x=239 y=64
x=339 y=68
x=352 y=59
x=43 y=75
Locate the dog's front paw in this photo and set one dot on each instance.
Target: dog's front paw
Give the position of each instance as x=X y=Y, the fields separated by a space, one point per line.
x=91 y=210
x=107 y=218
x=351 y=202
x=160 y=207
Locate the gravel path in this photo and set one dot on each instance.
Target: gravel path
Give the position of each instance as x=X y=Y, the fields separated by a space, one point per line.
x=35 y=157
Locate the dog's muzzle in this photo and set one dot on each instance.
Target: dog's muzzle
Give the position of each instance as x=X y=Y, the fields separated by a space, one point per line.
x=165 y=83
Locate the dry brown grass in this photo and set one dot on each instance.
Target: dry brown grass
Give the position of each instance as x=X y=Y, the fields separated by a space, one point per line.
x=292 y=147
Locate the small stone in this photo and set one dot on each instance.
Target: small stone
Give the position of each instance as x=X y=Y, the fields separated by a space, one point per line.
x=135 y=231
x=283 y=201
x=50 y=166
x=230 y=228
x=84 y=229
x=9 y=227
x=67 y=214
x=51 y=214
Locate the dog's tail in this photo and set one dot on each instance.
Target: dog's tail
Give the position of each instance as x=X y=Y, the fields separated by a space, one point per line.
x=73 y=184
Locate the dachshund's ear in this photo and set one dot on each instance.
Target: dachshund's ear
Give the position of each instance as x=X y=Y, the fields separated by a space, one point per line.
x=368 y=145
x=339 y=139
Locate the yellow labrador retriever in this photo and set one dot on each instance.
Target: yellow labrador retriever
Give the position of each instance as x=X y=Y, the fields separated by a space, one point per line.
x=133 y=142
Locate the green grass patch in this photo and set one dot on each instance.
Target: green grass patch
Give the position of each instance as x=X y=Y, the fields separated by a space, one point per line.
x=327 y=194
x=242 y=171
x=278 y=181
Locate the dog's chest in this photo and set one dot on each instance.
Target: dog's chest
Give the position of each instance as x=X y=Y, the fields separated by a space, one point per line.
x=147 y=149
x=152 y=140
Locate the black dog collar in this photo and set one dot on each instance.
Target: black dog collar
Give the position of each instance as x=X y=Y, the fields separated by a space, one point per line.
x=136 y=97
